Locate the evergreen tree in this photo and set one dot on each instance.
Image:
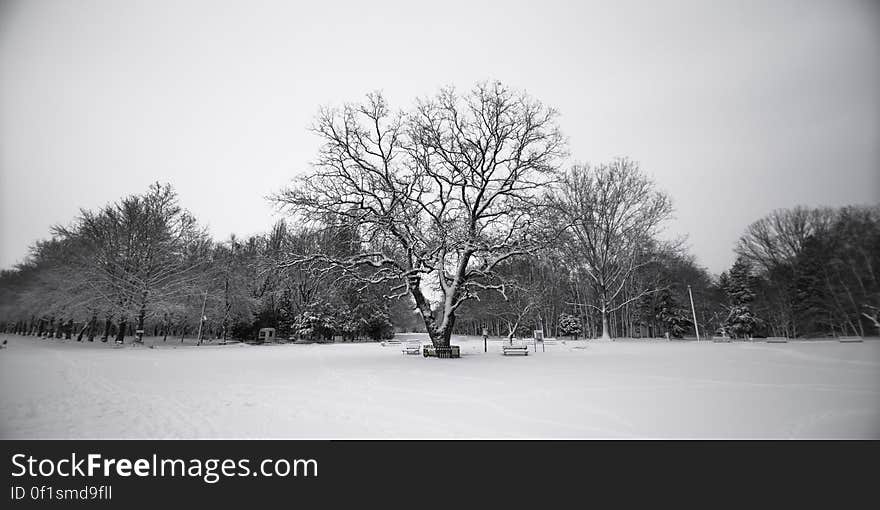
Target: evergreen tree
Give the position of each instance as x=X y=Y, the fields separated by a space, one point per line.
x=672 y=314
x=812 y=296
x=739 y=285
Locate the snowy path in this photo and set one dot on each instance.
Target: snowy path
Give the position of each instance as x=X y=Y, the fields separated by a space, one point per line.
x=64 y=389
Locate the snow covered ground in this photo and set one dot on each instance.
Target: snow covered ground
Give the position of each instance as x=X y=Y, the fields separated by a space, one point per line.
x=584 y=389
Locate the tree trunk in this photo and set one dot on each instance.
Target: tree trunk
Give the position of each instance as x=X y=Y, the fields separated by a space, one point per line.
x=227 y=306
x=140 y=323
x=439 y=337
x=92 y=323
x=106 y=329
x=605 y=334
x=120 y=333
x=142 y=313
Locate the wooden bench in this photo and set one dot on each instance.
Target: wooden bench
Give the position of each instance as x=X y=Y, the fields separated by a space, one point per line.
x=515 y=349
x=777 y=340
x=849 y=339
x=412 y=348
x=720 y=339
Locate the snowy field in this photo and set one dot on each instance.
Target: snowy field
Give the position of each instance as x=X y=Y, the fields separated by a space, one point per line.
x=584 y=389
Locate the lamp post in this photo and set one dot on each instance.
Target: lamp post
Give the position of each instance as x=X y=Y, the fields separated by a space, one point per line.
x=694 y=312
x=202 y=318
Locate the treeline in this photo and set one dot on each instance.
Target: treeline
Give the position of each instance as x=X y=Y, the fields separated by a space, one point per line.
x=456 y=215
x=144 y=264
x=807 y=272
x=552 y=298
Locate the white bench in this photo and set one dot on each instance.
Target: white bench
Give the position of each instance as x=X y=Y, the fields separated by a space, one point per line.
x=777 y=340
x=412 y=348
x=515 y=349
x=849 y=339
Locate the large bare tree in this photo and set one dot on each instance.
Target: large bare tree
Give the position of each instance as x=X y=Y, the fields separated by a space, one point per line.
x=439 y=195
x=138 y=251
x=611 y=214
x=778 y=238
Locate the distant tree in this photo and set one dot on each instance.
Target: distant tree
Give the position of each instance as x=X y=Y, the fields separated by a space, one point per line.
x=854 y=267
x=672 y=314
x=611 y=214
x=777 y=239
x=673 y=272
x=772 y=245
x=548 y=289
x=739 y=285
x=518 y=306
x=377 y=325
x=139 y=251
x=232 y=269
x=404 y=317
x=49 y=287
x=740 y=282
x=814 y=269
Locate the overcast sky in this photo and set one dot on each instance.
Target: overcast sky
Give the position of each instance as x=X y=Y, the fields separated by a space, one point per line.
x=735 y=108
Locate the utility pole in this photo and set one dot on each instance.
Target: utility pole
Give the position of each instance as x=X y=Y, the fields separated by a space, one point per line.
x=202 y=317
x=694 y=312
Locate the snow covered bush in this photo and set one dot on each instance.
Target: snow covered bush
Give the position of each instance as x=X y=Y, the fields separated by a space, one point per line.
x=570 y=325
x=741 y=322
